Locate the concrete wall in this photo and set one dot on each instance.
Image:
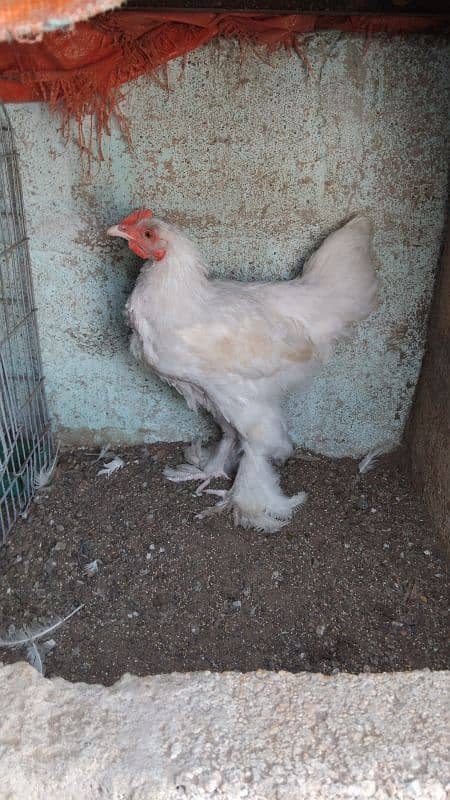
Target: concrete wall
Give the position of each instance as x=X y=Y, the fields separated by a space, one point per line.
x=257 y=161
x=210 y=736
x=428 y=433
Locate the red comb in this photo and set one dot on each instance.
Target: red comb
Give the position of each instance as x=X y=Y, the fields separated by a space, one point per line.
x=137 y=216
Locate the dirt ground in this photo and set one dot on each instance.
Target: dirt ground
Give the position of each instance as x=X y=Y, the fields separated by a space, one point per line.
x=355 y=583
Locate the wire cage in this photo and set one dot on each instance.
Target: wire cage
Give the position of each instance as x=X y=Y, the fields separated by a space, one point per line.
x=26 y=445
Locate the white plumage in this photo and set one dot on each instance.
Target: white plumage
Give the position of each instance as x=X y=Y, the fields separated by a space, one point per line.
x=235 y=348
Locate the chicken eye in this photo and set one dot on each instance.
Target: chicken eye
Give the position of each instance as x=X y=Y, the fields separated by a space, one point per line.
x=148 y=234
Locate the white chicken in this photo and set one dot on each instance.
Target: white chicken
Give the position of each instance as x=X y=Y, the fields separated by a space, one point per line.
x=235 y=348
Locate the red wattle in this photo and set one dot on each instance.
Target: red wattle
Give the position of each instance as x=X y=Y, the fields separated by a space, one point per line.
x=136 y=248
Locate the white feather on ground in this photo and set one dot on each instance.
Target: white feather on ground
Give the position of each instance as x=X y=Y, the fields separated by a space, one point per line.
x=91 y=569
x=36 y=654
x=105 y=451
x=44 y=476
x=25 y=636
x=111 y=467
x=370 y=460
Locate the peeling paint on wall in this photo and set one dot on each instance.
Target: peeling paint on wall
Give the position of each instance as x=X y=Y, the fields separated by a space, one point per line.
x=257 y=161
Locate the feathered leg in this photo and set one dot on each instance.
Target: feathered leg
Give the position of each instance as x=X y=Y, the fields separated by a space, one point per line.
x=256 y=499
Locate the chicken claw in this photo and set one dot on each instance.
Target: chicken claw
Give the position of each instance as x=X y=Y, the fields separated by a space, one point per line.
x=187 y=472
x=264 y=518
x=202 y=488
x=223 y=505
x=184 y=472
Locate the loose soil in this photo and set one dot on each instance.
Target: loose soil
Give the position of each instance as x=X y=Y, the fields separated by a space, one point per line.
x=355 y=583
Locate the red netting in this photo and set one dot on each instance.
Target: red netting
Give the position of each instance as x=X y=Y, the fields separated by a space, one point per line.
x=79 y=72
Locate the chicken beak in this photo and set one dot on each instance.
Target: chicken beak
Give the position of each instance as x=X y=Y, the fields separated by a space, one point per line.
x=116 y=230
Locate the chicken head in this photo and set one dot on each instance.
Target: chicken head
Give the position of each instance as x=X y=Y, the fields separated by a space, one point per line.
x=142 y=236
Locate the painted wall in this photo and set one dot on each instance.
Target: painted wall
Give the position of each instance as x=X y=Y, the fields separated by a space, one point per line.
x=257 y=161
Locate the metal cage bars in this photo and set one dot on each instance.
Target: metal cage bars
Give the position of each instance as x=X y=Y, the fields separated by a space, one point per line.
x=26 y=446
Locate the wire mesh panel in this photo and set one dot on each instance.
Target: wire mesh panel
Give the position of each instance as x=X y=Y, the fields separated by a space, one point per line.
x=26 y=447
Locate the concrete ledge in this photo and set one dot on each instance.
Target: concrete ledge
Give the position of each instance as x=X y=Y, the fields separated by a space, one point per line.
x=262 y=736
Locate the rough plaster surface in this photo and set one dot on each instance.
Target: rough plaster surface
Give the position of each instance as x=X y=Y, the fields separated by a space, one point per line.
x=258 y=161
x=203 y=736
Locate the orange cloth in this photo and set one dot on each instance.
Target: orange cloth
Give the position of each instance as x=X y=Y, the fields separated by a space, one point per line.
x=79 y=71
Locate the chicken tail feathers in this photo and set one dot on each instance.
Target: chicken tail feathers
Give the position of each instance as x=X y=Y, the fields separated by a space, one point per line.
x=338 y=283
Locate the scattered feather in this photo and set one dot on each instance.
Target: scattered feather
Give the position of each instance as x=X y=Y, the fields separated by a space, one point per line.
x=21 y=637
x=34 y=657
x=36 y=654
x=91 y=569
x=370 y=460
x=105 y=451
x=111 y=467
x=44 y=476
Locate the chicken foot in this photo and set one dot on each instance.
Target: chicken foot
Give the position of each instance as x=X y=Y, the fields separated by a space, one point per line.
x=255 y=498
x=224 y=504
x=204 y=463
x=187 y=472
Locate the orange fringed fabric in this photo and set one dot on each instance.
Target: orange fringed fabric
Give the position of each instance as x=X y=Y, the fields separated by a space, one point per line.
x=79 y=72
